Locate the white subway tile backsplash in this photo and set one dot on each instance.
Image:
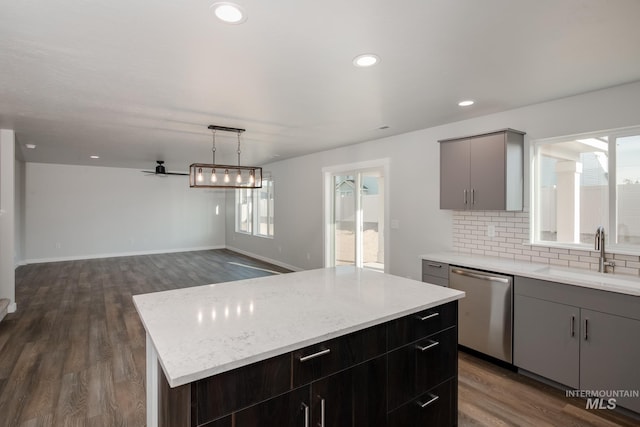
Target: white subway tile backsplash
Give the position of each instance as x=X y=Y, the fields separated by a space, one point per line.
x=578 y=264
x=626 y=257
x=560 y=262
x=511 y=240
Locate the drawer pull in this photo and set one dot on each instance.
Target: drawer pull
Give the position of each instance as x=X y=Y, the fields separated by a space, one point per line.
x=428 y=316
x=306 y=414
x=428 y=346
x=573 y=326
x=314 y=355
x=430 y=264
x=586 y=329
x=432 y=399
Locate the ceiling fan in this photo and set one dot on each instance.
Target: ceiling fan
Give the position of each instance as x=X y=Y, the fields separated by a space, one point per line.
x=162 y=171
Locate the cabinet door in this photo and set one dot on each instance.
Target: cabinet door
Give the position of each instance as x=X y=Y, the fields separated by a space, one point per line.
x=352 y=398
x=546 y=339
x=609 y=355
x=287 y=410
x=437 y=407
x=487 y=172
x=418 y=367
x=454 y=174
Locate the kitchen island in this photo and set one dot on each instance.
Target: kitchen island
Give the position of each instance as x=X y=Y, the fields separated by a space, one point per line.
x=300 y=349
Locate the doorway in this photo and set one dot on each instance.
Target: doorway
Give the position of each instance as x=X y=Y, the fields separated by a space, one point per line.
x=355 y=216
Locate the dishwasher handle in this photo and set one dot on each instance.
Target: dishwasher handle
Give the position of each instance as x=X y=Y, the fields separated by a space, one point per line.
x=480 y=276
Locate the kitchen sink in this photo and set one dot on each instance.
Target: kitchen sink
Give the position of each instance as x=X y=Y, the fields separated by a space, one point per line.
x=604 y=279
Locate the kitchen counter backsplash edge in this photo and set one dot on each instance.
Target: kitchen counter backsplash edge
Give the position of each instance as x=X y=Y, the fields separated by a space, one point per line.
x=624 y=284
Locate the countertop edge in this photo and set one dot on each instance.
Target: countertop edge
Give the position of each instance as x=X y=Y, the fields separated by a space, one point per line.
x=186 y=379
x=529 y=269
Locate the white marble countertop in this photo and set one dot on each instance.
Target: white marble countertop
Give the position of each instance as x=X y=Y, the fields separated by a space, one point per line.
x=205 y=330
x=629 y=285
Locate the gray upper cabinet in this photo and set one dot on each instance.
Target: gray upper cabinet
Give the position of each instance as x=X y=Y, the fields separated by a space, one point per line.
x=482 y=172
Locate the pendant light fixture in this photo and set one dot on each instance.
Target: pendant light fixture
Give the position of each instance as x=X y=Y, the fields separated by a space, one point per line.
x=219 y=175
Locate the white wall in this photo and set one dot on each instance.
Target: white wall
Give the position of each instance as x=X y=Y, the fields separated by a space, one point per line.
x=414 y=178
x=74 y=212
x=20 y=170
x=7 y=217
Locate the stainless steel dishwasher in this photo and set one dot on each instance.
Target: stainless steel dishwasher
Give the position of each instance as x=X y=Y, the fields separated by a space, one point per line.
x=485 y=319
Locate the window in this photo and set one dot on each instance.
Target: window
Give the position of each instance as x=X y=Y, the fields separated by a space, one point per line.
x=586 y=181
x=263 y=221
x=244 y=210
x=254 y=209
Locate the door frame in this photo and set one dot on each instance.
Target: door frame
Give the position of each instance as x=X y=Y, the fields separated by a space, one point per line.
x=327 y=204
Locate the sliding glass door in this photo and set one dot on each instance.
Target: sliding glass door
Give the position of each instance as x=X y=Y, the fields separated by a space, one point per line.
x=357 y=219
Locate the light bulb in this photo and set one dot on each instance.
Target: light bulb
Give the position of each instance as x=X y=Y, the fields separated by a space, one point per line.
x=226 y=175
x=239 y=178
x=214 y=178
x=200 y=175
x=252 y=178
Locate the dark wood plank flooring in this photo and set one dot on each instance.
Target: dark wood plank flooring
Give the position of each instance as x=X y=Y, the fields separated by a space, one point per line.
x=74 y=352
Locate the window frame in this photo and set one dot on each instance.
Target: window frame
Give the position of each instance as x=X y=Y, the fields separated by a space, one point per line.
x=253 y=198
x=534 y=221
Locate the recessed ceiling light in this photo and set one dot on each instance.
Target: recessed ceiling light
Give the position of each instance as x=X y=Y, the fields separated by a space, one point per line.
x=228 y=12
x=366 y=60
x=30 y=146
x=466 y=103
x=95 y=157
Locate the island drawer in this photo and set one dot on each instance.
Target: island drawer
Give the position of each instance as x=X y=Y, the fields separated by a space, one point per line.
x=422 y=324
x=421 y=366
x=437 y=407
x=319 y=360
x=232 y=390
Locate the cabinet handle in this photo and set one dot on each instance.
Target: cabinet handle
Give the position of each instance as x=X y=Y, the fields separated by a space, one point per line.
x=586 y=329
x=306 y=414
x=473 y=196
x=314 y=355
x=432 y=399
x=573 y=326
x=428 y=316
x=431 y=344
x=321 y=412
x=431 y=264
x=465 y=196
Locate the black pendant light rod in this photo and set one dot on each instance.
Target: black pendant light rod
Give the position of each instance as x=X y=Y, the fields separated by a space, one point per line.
x=226 y=129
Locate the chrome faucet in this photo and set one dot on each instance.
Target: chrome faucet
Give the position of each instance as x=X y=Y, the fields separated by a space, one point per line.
x=602 y=262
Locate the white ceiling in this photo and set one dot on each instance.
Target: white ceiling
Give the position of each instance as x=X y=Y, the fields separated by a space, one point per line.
x=135 y=81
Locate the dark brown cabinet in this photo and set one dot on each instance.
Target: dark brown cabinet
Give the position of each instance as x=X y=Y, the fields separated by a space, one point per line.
x=291 y=409
x=352 y=398
x=373 y=377
x=437 y=407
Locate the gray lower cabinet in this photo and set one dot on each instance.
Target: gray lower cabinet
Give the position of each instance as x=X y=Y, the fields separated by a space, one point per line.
x=482 y=172
x=546 y=339
x=610 y=354
x=583 y=338
x=436 y=273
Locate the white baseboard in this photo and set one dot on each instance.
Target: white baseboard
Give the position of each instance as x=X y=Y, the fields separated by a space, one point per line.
x=120 y=254
x=265 y=259
x=12 y=307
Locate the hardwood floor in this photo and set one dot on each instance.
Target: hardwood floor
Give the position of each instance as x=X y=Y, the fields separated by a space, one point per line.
x=489 y=395
x=74 y=352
